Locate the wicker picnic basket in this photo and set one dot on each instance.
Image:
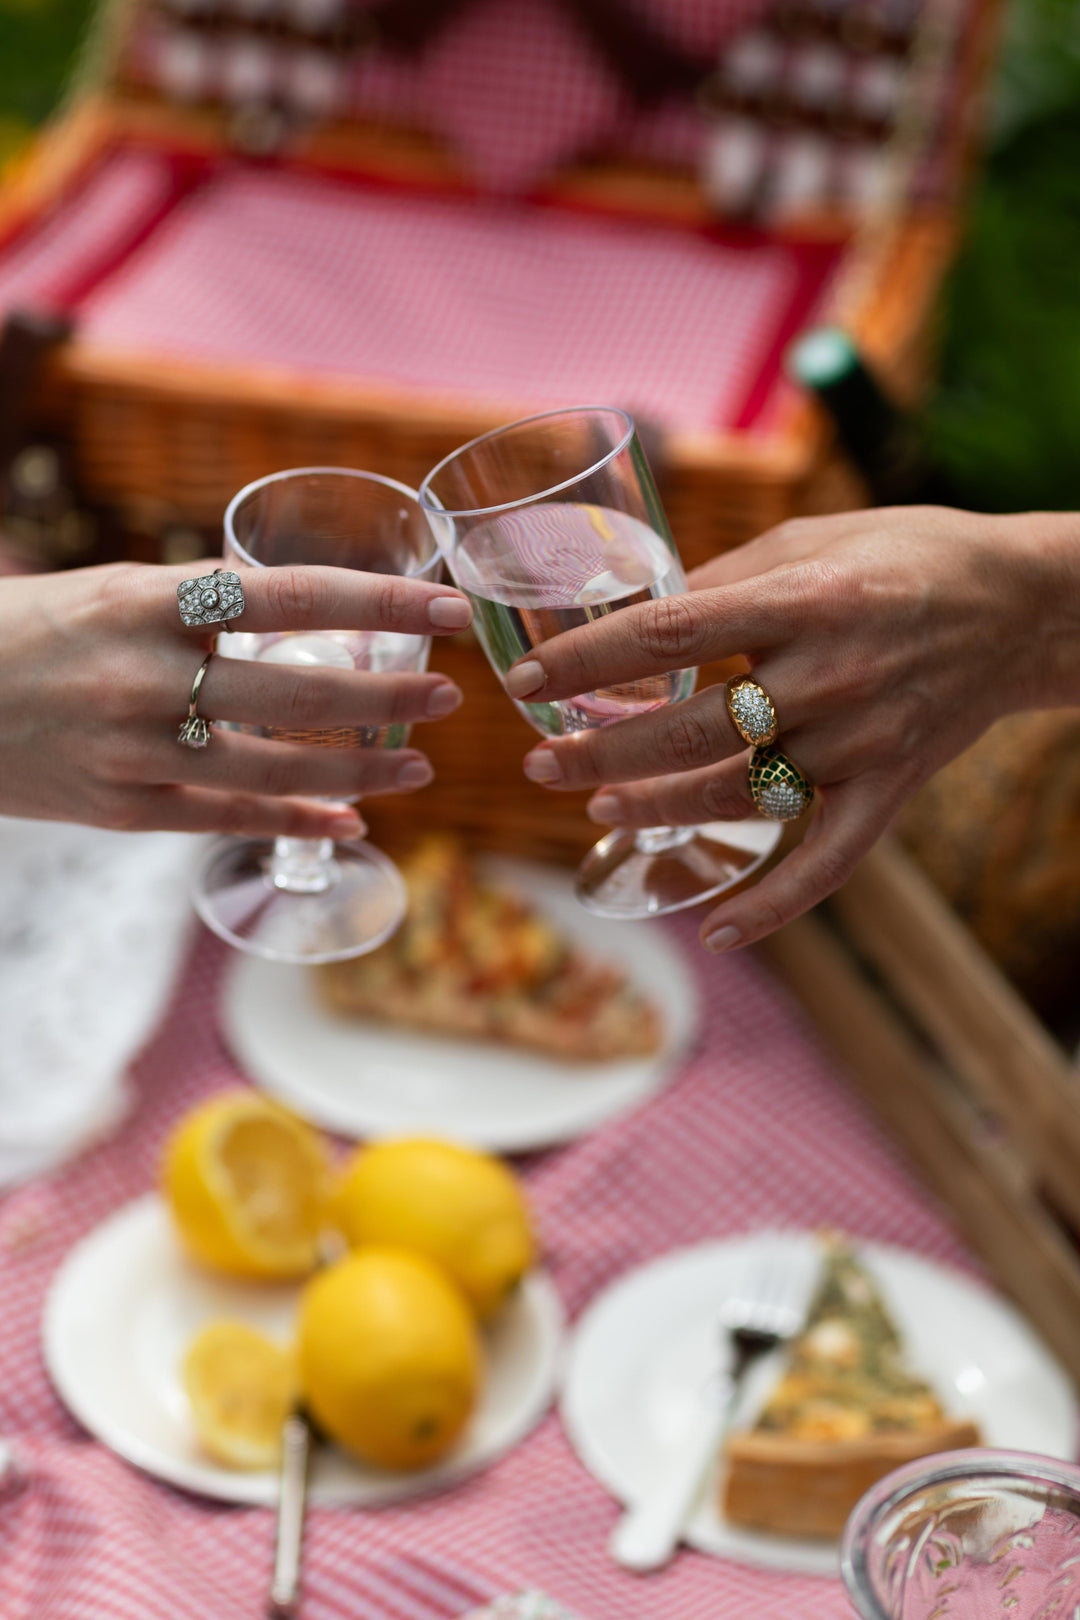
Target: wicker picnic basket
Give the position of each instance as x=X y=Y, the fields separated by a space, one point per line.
x=168 y=424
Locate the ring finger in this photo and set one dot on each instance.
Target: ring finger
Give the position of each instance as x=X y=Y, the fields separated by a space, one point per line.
x=314 y=698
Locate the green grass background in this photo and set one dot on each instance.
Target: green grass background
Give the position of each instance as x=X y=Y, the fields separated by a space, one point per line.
x=1005 y=417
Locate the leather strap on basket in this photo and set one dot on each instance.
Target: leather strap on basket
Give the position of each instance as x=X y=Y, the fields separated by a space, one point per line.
x=645 y=60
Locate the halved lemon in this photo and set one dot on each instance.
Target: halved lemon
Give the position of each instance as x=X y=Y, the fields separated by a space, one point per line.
x=247 y=1184
x=241 y=1387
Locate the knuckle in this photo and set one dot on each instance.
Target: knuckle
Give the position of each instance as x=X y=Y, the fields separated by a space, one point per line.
x=293 y=594
x=121 y=812
x=304 y=702
x=721 y=797
x=233 y=816
x=118 y=757
x=769 y=915
x=392 y=604
x=669 y=628
x=279 y=775
x=688 y=743
x=117 y=588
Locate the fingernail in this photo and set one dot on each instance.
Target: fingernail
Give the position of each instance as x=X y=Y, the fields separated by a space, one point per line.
x=347 y=826
x=525 y=678
x=605 y=808
x=542 y=766
x=722 y=939
x=416 y=774
x=444 y=700
x=450 y=613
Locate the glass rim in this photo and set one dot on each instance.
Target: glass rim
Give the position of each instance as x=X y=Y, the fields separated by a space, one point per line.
x=430 y=503
x=973 y=1462
x=258 y=484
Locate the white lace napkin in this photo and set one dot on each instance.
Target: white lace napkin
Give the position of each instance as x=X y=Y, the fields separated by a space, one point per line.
x=92 y=928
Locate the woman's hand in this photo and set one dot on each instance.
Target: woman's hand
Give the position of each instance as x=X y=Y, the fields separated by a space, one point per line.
x=95 y=672
x=887 y=640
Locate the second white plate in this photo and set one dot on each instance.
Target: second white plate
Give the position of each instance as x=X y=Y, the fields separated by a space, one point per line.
x=646 y=1350
x=364 y=1079
x=126 y=1303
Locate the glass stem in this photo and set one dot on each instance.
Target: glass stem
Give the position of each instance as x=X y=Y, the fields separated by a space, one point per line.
x=655 y=840
x=303 y=865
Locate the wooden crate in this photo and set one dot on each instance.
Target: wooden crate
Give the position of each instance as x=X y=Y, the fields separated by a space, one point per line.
x=963 y=1075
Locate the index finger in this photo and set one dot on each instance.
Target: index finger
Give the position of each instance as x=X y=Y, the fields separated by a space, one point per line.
x=673 y=632
x=320 y=598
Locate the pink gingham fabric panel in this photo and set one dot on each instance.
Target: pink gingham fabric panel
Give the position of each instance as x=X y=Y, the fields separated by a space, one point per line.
x=519 y=89
x=498 y=302
x=758 y=1130
x=90 y=227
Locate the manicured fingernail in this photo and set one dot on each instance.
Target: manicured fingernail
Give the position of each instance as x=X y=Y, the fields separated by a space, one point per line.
x=416 y=774
x=525 y=678
x=542 y=766
x=347 y=825
x=450 y=613
x=723 y=938
x=605 y=808
x=444 y=700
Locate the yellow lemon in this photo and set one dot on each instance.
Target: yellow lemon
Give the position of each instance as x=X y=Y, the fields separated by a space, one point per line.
x=389 y=1357
x=247 y=1185
x=241 y=1387
x=462 y=1208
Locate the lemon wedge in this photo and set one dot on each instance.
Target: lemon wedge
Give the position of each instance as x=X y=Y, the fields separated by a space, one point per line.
x=241 y=1387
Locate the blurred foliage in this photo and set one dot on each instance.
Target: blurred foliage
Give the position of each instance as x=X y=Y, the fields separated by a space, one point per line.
x=38 y=41
x=1006 y=417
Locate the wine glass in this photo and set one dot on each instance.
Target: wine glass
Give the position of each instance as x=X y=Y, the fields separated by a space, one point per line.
x=967 y=1535
x=551 y=523
x=307 y=900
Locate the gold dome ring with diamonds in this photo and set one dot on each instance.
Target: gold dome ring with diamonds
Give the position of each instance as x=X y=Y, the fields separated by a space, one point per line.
x=751 y=711
x=779 y=789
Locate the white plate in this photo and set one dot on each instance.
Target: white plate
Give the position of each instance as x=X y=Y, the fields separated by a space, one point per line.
x=125 y=1304
x=364 y=1079
x=646 y=1349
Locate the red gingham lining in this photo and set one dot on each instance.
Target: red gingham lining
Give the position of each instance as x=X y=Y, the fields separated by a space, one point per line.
x=53 y=261
x=495 y=301
x=759 y=1130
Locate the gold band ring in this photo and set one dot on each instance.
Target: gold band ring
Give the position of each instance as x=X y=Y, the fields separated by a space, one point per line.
x=779 y=789
x=751 y=710
x=195 y=732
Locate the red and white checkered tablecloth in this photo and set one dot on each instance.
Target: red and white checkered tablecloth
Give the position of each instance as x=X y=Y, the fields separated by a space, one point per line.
x=758 y=1130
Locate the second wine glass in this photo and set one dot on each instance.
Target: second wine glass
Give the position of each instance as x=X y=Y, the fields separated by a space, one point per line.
x=306 y=900
x=549 y=524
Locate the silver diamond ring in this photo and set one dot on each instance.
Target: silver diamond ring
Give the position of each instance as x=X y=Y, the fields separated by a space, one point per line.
x=751 y=710
x=195 y=732
x=214 y=599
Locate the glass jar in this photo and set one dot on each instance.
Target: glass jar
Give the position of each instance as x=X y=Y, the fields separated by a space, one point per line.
x=967 y=1535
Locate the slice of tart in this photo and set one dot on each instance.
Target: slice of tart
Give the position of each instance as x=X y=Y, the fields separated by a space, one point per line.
x=475 y=959
x=846 y=1411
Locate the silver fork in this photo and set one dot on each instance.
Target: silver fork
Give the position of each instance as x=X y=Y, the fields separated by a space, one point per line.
x=765 y=1308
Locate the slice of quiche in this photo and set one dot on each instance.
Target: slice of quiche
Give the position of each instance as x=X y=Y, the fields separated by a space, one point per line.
x=473 y=958
x=846 y=1411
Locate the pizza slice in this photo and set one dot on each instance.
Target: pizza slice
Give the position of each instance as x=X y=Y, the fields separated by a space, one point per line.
x=847 y=1410
x=473 y=958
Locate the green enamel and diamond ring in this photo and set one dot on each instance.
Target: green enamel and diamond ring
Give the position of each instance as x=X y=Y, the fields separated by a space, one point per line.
x=780 y=790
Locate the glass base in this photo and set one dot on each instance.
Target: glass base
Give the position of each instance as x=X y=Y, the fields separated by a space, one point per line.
x=658 y=870
x=358 y=904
